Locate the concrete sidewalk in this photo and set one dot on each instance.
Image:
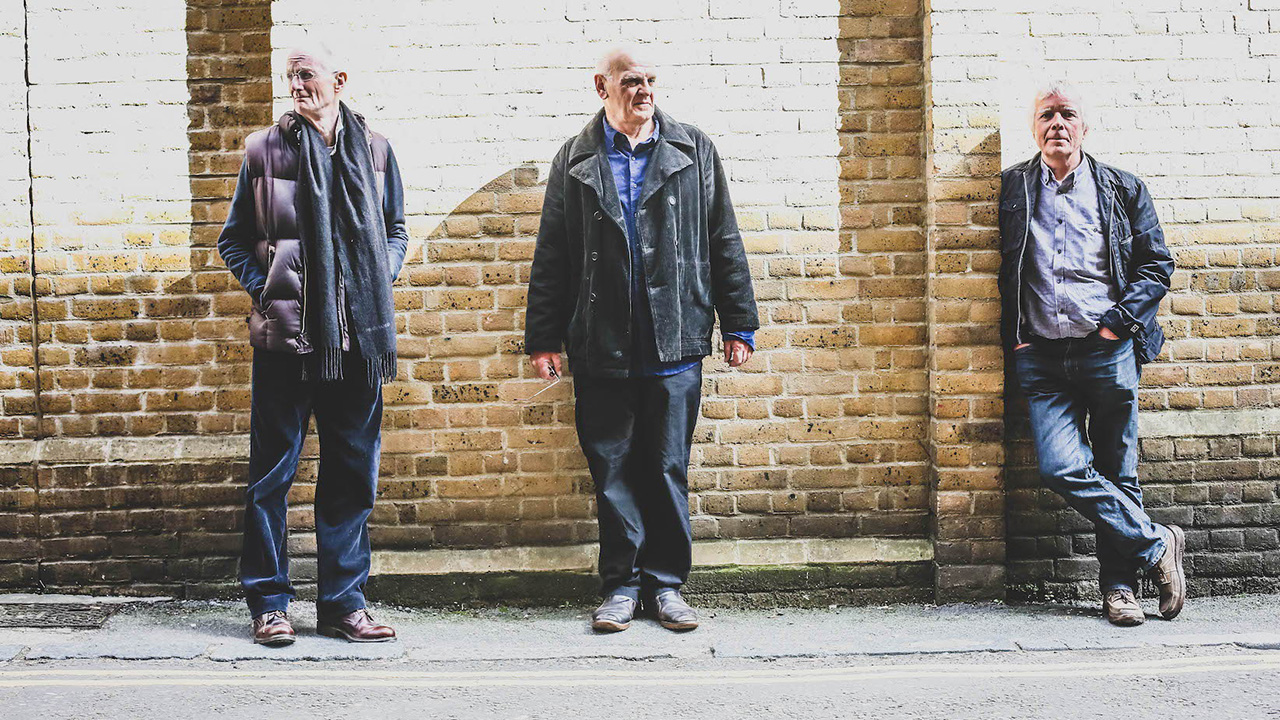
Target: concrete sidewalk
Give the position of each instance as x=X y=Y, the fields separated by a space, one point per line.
x=219 y=631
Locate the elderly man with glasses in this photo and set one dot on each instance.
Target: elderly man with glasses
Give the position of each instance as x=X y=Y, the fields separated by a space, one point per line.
x=316 y=235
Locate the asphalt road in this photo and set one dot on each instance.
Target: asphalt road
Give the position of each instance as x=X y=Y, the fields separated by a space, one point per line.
x=1220 y=683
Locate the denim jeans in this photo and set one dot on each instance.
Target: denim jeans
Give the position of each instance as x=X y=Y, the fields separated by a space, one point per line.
x=636 y=434
x=1083 y=397
x=348 y=420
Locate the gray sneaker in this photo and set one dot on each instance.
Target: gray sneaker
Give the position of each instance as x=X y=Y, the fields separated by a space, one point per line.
x=614 y=614
x=673 y=612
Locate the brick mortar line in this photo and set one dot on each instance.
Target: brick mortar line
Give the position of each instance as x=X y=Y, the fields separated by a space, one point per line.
x=35 y=306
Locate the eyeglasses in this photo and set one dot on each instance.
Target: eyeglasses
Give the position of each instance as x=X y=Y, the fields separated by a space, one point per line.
x=305 y=75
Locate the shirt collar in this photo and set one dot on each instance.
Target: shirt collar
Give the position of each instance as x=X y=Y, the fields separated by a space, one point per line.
x=337 y=133
x=611 y=137
x=1073 y=177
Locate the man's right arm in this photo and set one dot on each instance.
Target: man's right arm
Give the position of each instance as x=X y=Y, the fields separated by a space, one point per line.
x=547 y=309
x=239 y=235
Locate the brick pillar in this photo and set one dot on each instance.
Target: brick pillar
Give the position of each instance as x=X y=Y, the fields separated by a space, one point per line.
x=229 y=85
x=965 y=365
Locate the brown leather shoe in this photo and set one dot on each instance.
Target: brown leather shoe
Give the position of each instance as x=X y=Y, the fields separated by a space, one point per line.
x=1122 y=608
x=358 y=626
x=273 y=629
x=1168 y=573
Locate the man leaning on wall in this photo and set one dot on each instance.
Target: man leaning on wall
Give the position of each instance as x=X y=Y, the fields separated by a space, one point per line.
x=316 y=236
x=637 y=251
x=1083 y=268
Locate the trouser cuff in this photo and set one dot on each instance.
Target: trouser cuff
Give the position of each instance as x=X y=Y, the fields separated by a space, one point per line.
x=272 y=603
x=630 y=591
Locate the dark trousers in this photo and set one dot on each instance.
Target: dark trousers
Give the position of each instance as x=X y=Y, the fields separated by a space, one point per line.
x=1083 y=397
x=348 y=419
x=636 y=434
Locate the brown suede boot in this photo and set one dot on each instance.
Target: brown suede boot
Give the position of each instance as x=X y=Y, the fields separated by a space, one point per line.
x=1168 y=573
x=1122 y=608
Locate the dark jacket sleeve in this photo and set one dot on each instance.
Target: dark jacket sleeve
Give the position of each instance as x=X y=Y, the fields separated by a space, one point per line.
x=393 y=215
x=547 y=310
x=1148 y=271
x=731 y=290
x=239 y=236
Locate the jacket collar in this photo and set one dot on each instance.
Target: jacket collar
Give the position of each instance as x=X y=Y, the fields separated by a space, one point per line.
x=671 y=155
x=591 y=140
x=1102 y=179
x=290 y=123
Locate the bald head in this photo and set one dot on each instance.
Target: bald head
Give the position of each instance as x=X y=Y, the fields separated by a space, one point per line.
x=625 y=83
x=620 y=58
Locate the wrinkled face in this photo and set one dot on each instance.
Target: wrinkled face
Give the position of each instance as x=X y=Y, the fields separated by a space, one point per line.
x=1059 y=126
x=628 y=92
x=314 y=87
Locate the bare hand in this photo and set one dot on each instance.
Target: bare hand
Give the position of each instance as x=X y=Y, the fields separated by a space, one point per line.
x=546 y=364
x=736 y=352
x=1106 y=333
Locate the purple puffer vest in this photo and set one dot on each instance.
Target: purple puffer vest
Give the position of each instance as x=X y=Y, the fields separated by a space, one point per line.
x=277 y=321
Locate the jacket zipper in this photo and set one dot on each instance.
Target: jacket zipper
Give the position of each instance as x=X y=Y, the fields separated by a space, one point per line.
x=1022 y=254
x=302 y=331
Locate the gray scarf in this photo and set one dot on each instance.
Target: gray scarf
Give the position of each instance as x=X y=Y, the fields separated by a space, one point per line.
x=344 y=237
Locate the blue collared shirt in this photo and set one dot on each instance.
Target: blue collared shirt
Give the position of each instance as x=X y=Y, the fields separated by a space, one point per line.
x=629 y=166
x=1068 y=270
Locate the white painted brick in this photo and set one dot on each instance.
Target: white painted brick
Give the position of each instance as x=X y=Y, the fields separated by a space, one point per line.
x=1215 y=46
x=1047 y=24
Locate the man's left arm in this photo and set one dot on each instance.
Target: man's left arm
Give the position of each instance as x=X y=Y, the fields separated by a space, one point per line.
x=393 y=215
x=1150 y=267
x=731 y=289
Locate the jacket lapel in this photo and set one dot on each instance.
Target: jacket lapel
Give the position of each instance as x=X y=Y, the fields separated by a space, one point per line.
x=1106 y=196
x=589 y=165
x=669 y=157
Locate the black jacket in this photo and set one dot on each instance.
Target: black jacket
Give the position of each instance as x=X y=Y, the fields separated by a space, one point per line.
x=1140 y=262
x=580 y=286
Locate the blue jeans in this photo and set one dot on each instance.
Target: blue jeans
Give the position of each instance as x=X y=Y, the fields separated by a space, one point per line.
x=1083 y=397
x=349 y=422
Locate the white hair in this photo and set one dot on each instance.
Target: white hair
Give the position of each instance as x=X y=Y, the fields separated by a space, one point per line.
x=1063 y=89
x=320 y=50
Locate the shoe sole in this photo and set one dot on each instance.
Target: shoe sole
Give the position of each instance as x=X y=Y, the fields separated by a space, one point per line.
x=280 y=641
x=679 y=626
x=341 y=635
x=1179 y=543
x=609 y=626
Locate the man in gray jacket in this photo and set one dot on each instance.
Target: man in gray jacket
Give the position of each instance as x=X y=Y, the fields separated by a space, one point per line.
x=637 y=252
x=316 y=235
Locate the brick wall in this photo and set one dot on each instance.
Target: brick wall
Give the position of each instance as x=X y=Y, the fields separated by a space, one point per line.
x=862 y=139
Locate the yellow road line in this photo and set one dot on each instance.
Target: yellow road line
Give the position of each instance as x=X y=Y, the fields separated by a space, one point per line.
x=153 y=677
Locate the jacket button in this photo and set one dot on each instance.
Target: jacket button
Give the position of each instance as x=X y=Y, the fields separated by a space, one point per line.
x=671 y=201
x=593 y=297
x=599 y=215
x=594 y=255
